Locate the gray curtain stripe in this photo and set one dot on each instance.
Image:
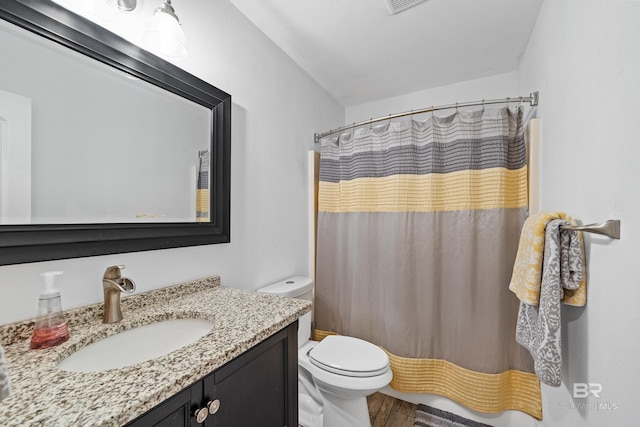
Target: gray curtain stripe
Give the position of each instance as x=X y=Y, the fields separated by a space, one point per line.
x=407 y=281
x=203 y=170
x=422 y=159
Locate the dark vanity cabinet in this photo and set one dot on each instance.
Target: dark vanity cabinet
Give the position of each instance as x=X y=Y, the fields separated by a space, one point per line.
x=257 y=388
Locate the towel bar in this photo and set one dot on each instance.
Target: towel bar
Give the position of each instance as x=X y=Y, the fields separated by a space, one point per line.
x=609 y=228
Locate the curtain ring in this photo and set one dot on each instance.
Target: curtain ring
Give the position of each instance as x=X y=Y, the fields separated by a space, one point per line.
x=483 y=105
x=456 y=107
x=432 y=111
x=508 y=102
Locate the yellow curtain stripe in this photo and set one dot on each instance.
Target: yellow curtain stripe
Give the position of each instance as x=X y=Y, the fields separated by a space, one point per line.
x=495 y=188
x=489 y=393
x=202 y=205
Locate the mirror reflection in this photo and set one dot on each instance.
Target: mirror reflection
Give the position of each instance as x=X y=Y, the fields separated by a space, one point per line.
x=82 y=142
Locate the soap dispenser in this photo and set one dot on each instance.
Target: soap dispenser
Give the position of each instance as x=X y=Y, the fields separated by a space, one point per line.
x=51 y=327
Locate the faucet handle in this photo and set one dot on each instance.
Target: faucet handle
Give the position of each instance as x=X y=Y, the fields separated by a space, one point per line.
x=113 y=272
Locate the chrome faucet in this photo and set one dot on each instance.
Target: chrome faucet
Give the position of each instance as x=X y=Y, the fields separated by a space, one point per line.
x=113 y=285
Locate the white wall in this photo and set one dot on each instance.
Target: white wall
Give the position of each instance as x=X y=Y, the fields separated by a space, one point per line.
x=276 y=110
x=498 y=86
x=584 y=58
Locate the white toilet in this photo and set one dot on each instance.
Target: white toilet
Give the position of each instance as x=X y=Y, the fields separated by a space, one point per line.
x=335 y=375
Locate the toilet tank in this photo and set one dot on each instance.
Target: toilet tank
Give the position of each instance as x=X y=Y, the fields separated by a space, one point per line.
x=295 y=287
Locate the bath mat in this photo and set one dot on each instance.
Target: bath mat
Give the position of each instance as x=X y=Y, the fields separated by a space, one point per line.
x=426 y=416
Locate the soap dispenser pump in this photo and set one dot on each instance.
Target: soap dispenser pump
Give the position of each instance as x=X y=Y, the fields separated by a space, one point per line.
x=51 y=327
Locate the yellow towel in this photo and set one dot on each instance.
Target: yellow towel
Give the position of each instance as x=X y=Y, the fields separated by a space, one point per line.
x=527 y=269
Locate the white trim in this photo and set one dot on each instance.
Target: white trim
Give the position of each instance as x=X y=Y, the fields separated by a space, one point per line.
x=15 y=158
x=532 y=136
x=4 y=168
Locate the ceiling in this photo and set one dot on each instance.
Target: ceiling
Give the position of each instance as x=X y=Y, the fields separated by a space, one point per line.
x=359 y=52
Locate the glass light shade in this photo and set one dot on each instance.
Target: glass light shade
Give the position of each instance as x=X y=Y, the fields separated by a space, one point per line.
x=163 y=36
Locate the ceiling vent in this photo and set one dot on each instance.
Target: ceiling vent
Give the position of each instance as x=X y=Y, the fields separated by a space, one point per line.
x=396 y=6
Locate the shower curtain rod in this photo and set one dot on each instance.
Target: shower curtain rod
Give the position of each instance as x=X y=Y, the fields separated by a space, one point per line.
x=533 y=99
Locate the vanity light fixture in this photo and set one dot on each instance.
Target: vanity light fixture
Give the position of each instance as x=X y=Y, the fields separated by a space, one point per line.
x=123 y=5
x=163 y=33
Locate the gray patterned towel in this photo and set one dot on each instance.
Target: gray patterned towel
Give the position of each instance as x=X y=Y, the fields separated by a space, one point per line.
x=538 y=327
x=5 y=386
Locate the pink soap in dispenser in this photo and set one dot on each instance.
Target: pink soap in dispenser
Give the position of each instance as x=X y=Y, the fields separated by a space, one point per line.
x=51 y=327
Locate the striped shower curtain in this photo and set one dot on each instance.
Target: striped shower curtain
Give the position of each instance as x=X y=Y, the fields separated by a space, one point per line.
x=202 y=187
x=418 y=228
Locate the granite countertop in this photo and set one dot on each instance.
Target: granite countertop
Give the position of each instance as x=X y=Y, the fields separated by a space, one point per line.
x=43 y=395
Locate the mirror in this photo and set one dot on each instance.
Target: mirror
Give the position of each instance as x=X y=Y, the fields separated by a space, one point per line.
x=105 y=146
x=111 y=149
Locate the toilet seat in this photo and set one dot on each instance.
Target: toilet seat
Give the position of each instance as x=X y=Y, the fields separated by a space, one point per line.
x=349 y=356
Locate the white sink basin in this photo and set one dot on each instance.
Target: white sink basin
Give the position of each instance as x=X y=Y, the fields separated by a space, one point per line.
x=136 y=345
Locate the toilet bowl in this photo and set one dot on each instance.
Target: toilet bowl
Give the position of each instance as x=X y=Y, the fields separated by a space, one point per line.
x=336 y=374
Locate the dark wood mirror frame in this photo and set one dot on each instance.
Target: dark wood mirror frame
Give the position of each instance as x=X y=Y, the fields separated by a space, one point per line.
x=31 y=243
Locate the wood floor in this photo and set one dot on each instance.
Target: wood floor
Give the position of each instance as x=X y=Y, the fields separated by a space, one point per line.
x=386 y=411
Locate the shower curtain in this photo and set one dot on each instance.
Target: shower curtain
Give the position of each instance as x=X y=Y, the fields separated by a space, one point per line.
x=418 y=228
x=202 y=187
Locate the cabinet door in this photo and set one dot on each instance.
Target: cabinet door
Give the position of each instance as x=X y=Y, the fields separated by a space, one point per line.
x=259 y=387
x=173 y=412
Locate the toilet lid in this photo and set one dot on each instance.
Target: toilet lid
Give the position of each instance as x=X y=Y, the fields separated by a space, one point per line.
x=349 y=356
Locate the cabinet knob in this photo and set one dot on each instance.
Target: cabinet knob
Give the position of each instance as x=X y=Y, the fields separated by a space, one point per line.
x=213 y=406
x=201 y=415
